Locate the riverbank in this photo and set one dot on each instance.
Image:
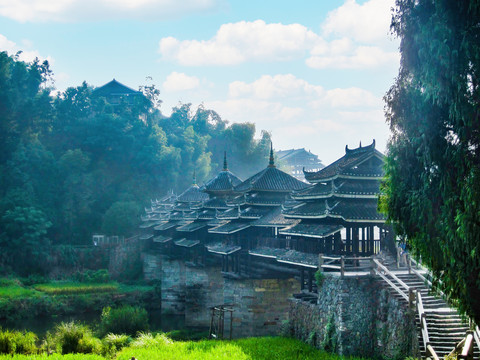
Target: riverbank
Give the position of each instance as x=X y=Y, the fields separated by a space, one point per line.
x=37 y=306
x=148 y=346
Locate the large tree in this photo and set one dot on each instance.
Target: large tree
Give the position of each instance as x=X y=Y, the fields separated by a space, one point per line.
x=432 y=188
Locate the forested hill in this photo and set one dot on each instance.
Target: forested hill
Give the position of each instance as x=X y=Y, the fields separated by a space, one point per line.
x=73 y=164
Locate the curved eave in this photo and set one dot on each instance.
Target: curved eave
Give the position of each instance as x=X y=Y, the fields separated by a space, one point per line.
x=285 y=232
x=341 y=176
x=346 y=196
x=262 y=204
x=334 y=216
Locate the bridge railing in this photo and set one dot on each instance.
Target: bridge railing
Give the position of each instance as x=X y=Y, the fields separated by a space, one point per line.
x=345 y=265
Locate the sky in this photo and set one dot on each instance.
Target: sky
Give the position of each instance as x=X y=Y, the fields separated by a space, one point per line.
x=313 y=73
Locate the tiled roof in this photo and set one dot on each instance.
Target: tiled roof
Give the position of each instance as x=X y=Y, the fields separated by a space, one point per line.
x=216 y=222
x=167 y=225
x=345 y=163
x=237 y=200
x=182 y=207
x=254 y=212
x=167 y=199
x=222 y=249
x=299 y=258
x=148 y=224
x=146 y=236
x=223 y=182
x=114 y=88
x=193 y=194
x=192 y=226
x=230 y=227
x=264 y=198
x=274 y=218
x=186 y=243
x=215 y=203
x=267 y=252
x=271 y=179
x=292 y=257
x=340 y=187
x=231 y=213
x=207 y=214
x=161 y=239
x=348 y=209
x=309 y=229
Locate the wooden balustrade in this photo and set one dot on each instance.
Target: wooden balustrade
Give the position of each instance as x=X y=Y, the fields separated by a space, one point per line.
x=328 y=262
x=476 y=336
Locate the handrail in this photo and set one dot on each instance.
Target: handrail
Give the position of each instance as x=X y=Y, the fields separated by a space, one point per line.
x=340 y=259
x=391 y=284
x=381 y=266
x=476 y=335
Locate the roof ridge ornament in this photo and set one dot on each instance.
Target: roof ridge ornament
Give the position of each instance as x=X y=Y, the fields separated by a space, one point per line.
x=194 y=178
x=360 y=149
x=271 y=163
x=225 y=167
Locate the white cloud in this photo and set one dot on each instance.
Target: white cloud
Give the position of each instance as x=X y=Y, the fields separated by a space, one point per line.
x=360 y=58
x=26 y=55
x=351 y=97
x=180 y=82
x=303 y=113
x=235 y=43
x=88 y=10
x=368 y=22
x=267 y=87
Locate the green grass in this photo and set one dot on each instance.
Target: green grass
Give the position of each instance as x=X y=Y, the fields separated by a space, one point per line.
x=244 y=349
x=70 y=288
x=160 y=347
x=16 y=292
x=53 y=357
x=133 y=288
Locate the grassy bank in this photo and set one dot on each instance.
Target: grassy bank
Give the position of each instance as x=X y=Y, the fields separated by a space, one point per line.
x=19 y=300
x=147 y=346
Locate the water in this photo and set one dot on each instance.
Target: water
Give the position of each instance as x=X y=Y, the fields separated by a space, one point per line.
x=41 y=324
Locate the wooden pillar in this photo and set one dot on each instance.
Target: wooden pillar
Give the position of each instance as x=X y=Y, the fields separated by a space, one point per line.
x=356 y=240
x=371 y=240
x=364 y=243
x=337 y=243
x=226 y=263
x=348 y=250
x=302 y=279
x=310 y=280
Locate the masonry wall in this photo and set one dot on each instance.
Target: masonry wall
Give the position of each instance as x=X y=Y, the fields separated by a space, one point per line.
x=356 y=316
x=260 y=306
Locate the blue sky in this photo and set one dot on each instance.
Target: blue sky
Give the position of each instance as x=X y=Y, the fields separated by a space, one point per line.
x=313 y=73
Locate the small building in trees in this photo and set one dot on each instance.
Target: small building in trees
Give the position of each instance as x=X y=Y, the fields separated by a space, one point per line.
x=294 y=161
x=115 y=91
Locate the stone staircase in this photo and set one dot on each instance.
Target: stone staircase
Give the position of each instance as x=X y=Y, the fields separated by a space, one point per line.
x=445 y=326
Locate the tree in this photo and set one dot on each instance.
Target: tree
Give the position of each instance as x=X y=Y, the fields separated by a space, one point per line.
x=121 y=218
x=432 y=186
x=23 y=239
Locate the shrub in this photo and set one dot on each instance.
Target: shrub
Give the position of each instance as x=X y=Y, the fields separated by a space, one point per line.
x=17 y=342
x=147 y=340
x=113 y=343
x=127 y=320
x=93 y=276
x=187 y=335
x=73 y=337
x=319 y=278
